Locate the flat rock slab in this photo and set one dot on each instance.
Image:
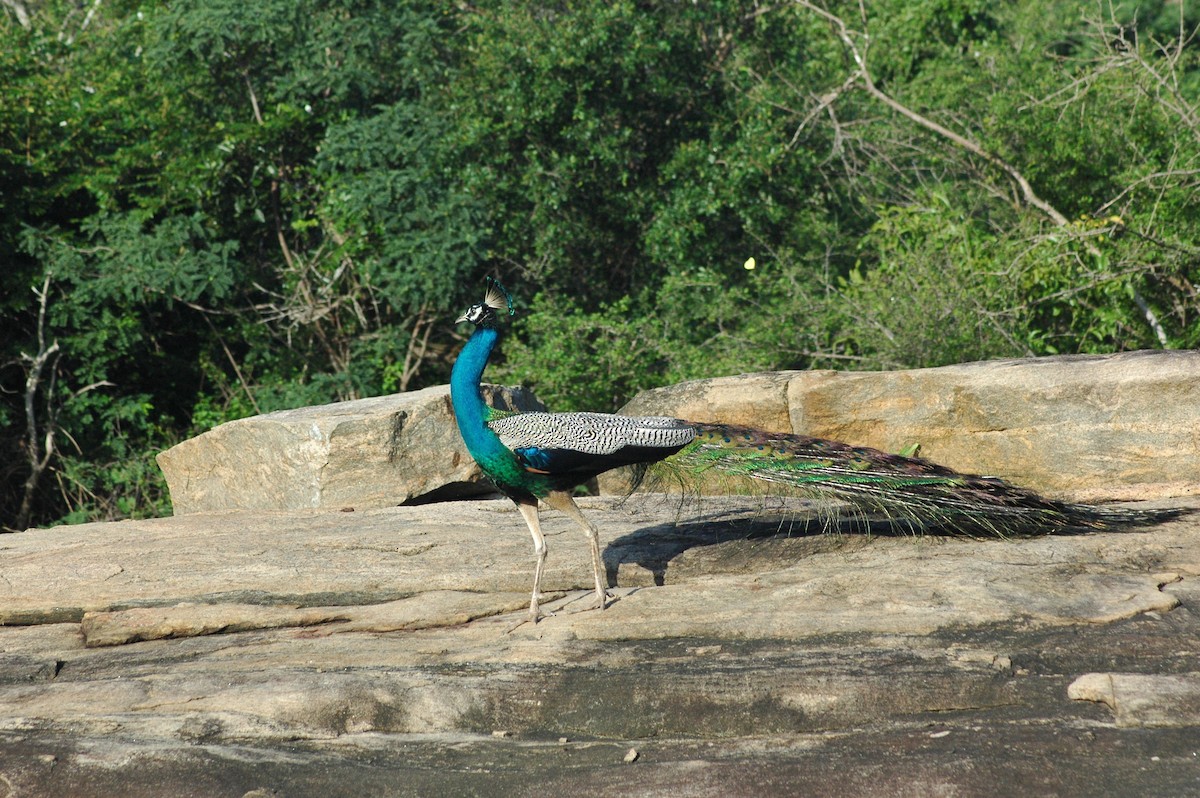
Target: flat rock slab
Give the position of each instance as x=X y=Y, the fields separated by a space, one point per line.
x=1084 y=427
x=789 y=579
x=376 y=452
x=1141 y=699
x=746 y=652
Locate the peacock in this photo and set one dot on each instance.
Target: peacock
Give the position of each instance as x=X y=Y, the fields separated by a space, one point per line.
x=544 y=456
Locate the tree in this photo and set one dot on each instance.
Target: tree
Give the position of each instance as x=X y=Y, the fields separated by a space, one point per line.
x=209 y=210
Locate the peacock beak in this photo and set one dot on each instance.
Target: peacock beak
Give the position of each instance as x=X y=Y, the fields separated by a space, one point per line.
x=461 y=319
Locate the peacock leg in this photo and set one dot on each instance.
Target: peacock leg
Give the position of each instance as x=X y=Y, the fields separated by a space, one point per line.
x=529 y=511
x=563 y=502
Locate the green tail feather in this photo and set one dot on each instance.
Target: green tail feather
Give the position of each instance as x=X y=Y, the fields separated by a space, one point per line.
x=908 y=491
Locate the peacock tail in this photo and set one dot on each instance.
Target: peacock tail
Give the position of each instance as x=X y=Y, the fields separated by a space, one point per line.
x=909 y=492
x=557 y=451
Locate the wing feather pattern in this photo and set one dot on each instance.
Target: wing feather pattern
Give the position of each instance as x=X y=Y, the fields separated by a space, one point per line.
x=586 y=444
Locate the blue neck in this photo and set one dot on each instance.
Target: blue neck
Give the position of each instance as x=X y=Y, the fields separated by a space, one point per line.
x=469 y=409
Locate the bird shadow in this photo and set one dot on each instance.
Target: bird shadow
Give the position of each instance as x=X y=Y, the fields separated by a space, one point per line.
x=785 y=532
x=790 y=533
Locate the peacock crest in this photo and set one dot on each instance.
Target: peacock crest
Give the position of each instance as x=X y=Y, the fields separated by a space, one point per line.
x=497 y=297
x=483 y=314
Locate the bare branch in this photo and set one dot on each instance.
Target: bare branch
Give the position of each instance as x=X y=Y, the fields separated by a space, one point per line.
x=37 y=453
x=258 y=117
x=237 y=370
x=87 y=20
x=1173 y=174
x=823 y=102
x=1152 y=319
x=850 y=39
x=418 y=346
x=20 y=10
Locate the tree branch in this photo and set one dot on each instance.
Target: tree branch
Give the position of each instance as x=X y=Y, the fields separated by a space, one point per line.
x=38 y=454
x=863 y=75
x=20 y=10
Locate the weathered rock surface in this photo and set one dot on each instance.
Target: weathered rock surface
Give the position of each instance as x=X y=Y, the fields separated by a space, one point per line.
x=1140 y=699
x=1083 y=427
x=373 y=452
x=746 y=652
x=751 y=400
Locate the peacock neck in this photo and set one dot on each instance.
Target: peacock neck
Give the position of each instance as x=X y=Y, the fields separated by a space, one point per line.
x=469 y=408
x=496 y=460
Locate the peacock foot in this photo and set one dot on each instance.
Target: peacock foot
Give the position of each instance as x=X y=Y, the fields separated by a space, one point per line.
x=600 y=601
x=531 y=617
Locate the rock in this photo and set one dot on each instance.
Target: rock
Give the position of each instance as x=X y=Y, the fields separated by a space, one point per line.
x=366 y=453
x=200 y=565
x=114 y=628
x=427 y=610
x=287 y=569
x=751 y=400
x=1083 y=427
x=1143 y=700
x=1095 y=427
x=310 y=653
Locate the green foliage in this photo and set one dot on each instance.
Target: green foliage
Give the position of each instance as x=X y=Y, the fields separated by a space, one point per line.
x=564 y=119
x=241 y=207
x=417 y=233
x=937 y=294
x=578 y=360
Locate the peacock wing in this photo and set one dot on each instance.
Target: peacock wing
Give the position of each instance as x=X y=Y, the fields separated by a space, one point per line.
x=589 y=443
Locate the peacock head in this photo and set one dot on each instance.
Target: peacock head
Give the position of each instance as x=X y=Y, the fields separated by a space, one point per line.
x=483 y=314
